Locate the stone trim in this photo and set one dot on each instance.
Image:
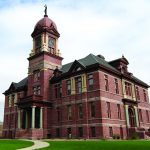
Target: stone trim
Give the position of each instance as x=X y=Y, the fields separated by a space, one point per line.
x=143 y=108
x=91 y=124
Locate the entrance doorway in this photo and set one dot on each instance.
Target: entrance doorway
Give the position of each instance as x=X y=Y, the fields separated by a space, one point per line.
x=69 y=133
x=131 y=117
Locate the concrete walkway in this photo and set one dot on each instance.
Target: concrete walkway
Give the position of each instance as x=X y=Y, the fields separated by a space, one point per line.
x=37 y=144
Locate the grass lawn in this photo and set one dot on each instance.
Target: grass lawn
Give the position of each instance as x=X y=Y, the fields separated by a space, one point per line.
x=14 y=144
x=98 y=145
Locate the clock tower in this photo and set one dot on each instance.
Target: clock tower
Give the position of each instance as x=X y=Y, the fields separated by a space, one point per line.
x=44 y=58
x=34 y=108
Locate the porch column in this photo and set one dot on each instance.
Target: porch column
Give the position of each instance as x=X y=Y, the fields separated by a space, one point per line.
x=136 y=116
x=33 y=117
x=26 y=126
x=19 y=115
x=41 y=117
x=127 y=115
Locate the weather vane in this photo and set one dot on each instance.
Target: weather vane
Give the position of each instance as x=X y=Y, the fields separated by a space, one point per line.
x=45 y=10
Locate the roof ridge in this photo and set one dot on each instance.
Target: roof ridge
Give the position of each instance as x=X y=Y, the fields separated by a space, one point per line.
x=14 y=82
x=94 y=57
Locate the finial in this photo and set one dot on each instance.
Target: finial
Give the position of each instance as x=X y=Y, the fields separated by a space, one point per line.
x=122 y=56
x=45 y=11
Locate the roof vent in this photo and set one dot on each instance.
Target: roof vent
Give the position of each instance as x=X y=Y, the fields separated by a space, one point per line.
x=101 y=56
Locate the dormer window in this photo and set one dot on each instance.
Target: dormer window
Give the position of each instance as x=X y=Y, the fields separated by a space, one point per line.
x=78 y=69
x=124 y=69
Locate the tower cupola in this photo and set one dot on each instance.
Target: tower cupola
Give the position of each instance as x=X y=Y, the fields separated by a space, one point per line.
x=45 y=36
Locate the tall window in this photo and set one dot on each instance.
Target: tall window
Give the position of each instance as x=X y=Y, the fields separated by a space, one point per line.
x=69 y=112
x=58 y=132
x=36 y=90
x=110 y=132
x=140 y=115
x=38 y=42
x=93 y=109
x=147 y=115
x=116 y=86
x=119 y=111
x=106 y=83
x=108 y=110
x=90 y=82
x=145 y=98
x=137 y=93
x=37 y=118
x=19 y=95
x=78 y=84
x=128 y=88
x=80 y=107
x=12 y=100
x=51 y=44
x=69 y=133
x=80 y=131
x=58 y=114
x=58 y=90
x=36 y=76
x=68 y=87
x=93 y=132
x=6 y=119
x=9 y=101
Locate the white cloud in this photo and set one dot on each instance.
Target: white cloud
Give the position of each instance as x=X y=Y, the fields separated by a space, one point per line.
x=107 y=27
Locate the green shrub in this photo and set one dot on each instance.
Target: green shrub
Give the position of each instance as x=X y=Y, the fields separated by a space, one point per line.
x=116 y=136
x=103 y=139
x=135 y=136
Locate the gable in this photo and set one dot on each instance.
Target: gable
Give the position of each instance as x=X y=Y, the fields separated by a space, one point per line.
x=76 y=66
x=17 y=86
x=12 y=87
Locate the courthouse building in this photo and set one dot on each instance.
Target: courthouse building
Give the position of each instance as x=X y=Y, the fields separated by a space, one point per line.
x=86 y=98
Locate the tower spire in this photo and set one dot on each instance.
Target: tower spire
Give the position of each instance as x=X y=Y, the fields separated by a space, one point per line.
x=45 y=11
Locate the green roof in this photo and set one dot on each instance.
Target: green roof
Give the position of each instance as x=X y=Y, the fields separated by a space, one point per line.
x=91 y=60
x=22 y=83
x=87 y=61
x=139 y=81
x=18 y=86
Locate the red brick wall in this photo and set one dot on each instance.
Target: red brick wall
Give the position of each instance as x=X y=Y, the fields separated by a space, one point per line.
x=98 y=95
x=100 y=121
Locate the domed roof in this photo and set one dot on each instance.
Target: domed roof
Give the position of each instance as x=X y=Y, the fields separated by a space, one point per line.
x=45 y=23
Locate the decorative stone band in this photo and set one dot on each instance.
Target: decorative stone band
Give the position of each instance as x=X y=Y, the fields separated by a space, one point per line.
x=84 y=86
x=73 y=86
x=91 y=124
x=42 y=66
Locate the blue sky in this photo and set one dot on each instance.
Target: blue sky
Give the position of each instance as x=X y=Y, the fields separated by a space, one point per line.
x=107 y=27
